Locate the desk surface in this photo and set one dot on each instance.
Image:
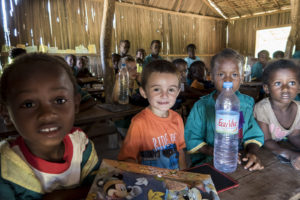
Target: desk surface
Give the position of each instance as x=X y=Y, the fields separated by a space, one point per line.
x=97 y=113
x=276 y=182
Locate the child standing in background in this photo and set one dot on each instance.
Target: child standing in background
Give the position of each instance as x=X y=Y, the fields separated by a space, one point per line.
x=124 y=48
x=156 y=134
x=140 y=58
x=49 y=159
x=191 y=50
x=155 y=49
x=200 y=125
x=279 y=115
x=258 y=67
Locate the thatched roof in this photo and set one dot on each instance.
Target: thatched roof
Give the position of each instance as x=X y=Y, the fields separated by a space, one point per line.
x=229 y=8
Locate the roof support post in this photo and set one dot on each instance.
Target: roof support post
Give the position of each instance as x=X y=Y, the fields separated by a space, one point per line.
x=105 y=47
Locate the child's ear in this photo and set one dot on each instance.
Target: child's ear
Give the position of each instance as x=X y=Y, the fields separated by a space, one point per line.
x=77 y=99
x=266 y=88
x=143 y=92
x=5 y=115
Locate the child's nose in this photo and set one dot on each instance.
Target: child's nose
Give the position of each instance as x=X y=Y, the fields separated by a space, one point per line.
x=164 y=94
x=46 y=113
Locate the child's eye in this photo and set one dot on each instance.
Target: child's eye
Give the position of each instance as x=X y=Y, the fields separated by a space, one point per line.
x=220 y=75
x=28 y=105
x=60 y=100
x=277 y=83
x=172 y=90
x=291 y=83
x=235 y=75
x=156 y=89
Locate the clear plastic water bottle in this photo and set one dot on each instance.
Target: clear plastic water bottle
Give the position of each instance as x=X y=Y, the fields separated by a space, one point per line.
x=227 y=127
x=124 y=85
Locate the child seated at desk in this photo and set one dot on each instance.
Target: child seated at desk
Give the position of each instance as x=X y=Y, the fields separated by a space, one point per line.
x=200 y=126
x=279 y=114
x=197 y=75
x=49 y=159
x=156 y=134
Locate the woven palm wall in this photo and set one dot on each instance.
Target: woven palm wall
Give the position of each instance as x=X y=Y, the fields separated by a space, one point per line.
x=69 y=23
x=242 y=32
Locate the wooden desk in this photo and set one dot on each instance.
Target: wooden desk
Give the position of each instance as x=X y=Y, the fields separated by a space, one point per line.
x=277 y=181
x=97 y=113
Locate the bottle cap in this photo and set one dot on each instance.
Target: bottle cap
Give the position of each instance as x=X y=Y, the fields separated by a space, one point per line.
x=227 y=85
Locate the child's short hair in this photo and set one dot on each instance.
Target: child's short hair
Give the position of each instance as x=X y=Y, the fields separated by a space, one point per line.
x=160 y=66
x=141 y=50
x=279 y=54
x=155 y=41
x=273 y=66
x=193 y=67
x=193 y=46
x=227 y=54
x=72 y=56
x=15 y=52
x=31 y=59
x=263 y=52
x=179 y=61
x=125 y=41
x=129 y=58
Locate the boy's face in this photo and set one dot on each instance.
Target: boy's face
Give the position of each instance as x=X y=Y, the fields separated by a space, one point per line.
x=155 y=48
x=132 y=70
x=42 y=106
x=283 y=86
x=199 y=73
x=182 y=68
x=140 y=55
x=227 y=71
x=124 y=48
x=263 y=58
x=191 y=52
x=161 y=91
x=70 y=61
x=80 y=63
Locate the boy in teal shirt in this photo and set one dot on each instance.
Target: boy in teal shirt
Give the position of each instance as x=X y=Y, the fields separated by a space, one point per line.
x=200 y=126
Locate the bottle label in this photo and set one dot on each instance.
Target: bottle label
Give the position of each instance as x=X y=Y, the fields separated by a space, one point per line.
x=227 y=122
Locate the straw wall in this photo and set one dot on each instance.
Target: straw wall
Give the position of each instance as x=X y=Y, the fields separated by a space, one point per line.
x=242 y=32
x=74 y=22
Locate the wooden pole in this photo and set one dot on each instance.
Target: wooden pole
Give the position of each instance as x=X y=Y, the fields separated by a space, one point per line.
x=295 y=29
x=105 y=47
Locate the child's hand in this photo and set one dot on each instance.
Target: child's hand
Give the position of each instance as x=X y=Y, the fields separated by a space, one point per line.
x=296 y=163
x=252 y=162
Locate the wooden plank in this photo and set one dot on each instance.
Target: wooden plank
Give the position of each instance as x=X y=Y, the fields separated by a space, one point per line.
x=294 y=33
x=167 y=11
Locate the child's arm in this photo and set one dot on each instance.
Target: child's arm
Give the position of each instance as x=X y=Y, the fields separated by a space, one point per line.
x=275 y=147
x=182 y=163
x=272 y=145
x=207 y=150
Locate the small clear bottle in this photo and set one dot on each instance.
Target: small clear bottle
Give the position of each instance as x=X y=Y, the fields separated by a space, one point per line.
x=123 y=85
x=227 y=127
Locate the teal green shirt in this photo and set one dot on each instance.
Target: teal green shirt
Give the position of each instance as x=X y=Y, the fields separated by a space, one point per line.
x=257 y=71
x=200 y=126
x=149 y=59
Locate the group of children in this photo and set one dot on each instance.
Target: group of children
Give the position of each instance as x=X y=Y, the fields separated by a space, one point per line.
x=52 y=159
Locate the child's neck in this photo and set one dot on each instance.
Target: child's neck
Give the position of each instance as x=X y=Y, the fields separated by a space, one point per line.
x=162 y=114
x=280 y=106
x=53 y=154
x=193 y=57
x=154 y=55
